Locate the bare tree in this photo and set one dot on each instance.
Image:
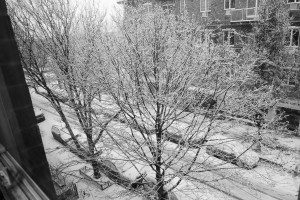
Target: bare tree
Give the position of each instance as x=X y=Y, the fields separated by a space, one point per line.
x=271 y=40
x=59 y=51
x=159 y=68
x=271 y=30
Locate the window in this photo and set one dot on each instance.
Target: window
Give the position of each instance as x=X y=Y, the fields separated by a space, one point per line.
x=252 y=3
x=290 y=78
x=292 y=38
x=251 y=10
x=228 y=37
x=182 y=6
x=205 y=36
x=229 y=4
x=293 y=1
x=204 y=5
x=169 y=7
x=147 y=7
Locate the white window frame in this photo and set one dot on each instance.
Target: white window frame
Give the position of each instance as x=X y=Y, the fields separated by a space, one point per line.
x=295 y=1
x=255 y=9
x=291 y=28
x=169 y=5
x=230 y=31
x=147 y=6
x=206 y=6
x=229 y=5
x=182 y=6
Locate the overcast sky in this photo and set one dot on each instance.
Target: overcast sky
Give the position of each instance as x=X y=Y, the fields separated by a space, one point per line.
x=112 y=9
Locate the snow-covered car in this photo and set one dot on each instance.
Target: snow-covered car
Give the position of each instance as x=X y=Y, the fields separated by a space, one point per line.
x=199 y=99
x=177 y=139
x=39 y=115
x=232 y=151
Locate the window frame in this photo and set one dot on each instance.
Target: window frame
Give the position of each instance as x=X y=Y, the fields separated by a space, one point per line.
x=169 y=4
x=228 y=41
x=229 y=8
x=287 y=80
x=256 y=2
x=147 y=6
x=294 y=1
x=206 y=6
x=290 y=42
x=205 y=35
x=182 y=6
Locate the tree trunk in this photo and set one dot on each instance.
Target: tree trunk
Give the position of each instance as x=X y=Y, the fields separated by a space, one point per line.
x=68 y=127
x=161 y=192
x=257 y=146
x=91 y=154
x=96 y=169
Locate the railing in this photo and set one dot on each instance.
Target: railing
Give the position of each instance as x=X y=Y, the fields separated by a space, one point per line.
x=244 y=14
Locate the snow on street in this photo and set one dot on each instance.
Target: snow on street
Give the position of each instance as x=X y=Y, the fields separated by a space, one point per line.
x=56 y=155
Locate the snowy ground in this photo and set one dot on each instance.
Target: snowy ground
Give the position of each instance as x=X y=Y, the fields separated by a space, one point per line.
x=266 y=176
x=56 y=155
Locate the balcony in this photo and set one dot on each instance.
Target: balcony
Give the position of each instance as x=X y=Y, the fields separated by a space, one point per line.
x=244 y=15
x=294 y=6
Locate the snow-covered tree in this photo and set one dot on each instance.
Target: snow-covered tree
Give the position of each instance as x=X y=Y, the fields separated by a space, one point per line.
x=270 y=37
x=59 y=51
x=171 y=87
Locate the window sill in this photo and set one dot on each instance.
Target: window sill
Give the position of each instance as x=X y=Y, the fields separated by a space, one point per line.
x=288 y=85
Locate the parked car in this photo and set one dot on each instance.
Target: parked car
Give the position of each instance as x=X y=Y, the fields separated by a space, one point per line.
x=204 y=100
x=39 y=115
x=233 y=152
x=177 y=139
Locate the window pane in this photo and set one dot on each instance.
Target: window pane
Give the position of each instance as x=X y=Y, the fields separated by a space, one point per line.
x=227 y=4
x=287 y=41
x=232 y=4
x=292 y=78
x=231 y=42
x=295 y=37
x=202 y=5
x=182 y=6
x=251 y=3
x=202 y=36
x=225 y=36
x=208 y=4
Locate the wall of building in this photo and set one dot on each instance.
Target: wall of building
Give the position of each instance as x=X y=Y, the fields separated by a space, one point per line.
x=19 y=131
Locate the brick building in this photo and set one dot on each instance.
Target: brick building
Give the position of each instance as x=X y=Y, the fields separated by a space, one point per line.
x=230 y=20
x=235 y=18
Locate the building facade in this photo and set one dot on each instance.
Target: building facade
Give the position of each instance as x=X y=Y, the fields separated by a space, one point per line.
x=229 y=21
x=233 y=19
